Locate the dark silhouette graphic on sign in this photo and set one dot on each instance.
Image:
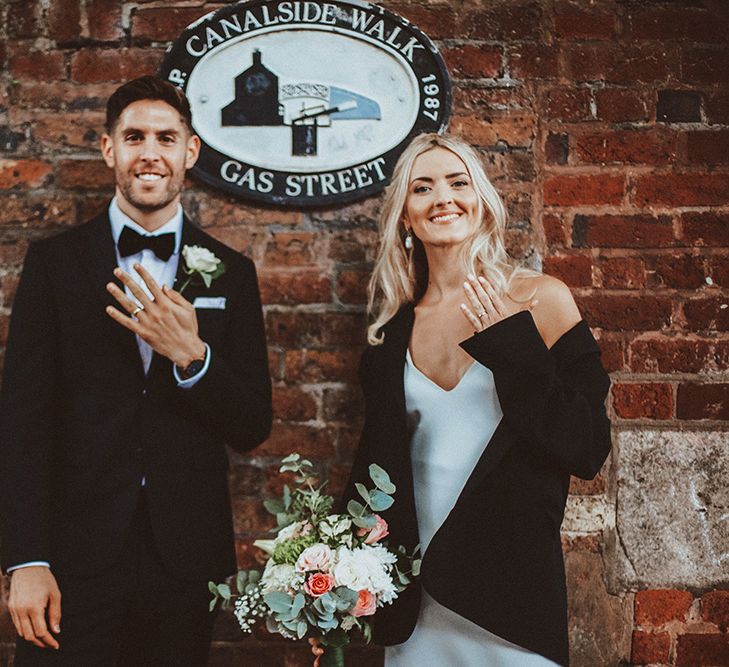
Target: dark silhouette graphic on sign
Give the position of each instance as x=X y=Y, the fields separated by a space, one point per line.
x=256 y=97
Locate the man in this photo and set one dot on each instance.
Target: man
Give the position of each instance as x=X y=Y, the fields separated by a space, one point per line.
x=114 y=418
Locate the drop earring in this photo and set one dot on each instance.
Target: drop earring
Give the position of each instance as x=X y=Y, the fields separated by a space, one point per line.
x=409 y=240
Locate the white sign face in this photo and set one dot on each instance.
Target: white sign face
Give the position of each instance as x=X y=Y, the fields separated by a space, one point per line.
x=306 y=102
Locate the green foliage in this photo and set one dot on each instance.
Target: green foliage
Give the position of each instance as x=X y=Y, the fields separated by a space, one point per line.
x=289 y=551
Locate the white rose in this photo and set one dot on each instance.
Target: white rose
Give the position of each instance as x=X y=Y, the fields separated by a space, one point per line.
x=200 y=259
x=315 y=557
x=349 y=571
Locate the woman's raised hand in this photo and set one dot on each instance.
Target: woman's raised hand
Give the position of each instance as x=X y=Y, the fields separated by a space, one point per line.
x=484 y=306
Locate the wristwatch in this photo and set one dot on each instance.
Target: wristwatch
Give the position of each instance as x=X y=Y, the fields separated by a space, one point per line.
x=194 y=367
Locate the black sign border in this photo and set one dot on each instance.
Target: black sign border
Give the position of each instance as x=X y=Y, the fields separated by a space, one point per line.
x=210 y=159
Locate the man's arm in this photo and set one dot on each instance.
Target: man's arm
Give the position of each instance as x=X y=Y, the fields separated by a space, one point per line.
x=27 y=418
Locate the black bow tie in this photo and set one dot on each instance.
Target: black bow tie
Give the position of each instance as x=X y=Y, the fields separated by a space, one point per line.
x=131 y=242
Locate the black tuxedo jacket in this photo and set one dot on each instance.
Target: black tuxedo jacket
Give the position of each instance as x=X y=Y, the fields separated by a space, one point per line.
x=497 y=559
x=81 y=424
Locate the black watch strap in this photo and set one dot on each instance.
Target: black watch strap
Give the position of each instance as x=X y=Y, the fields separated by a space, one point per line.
x=194 y=367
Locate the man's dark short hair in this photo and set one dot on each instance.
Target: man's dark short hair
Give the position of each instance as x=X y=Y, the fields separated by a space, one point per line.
x=147 y=87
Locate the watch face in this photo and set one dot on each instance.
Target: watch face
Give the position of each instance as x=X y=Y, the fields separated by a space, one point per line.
x=194 y=368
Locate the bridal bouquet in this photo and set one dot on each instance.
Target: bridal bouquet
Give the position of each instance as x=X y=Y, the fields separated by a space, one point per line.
x=326 y=574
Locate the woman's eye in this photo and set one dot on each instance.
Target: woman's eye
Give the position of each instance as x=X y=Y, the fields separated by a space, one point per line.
x=420 y=188
x=460 y=184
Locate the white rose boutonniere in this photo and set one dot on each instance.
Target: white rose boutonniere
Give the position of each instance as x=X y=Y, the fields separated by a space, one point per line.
x=201 y=262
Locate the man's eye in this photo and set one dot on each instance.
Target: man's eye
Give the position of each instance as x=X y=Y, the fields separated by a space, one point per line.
x=133 y=137
x=167 y=139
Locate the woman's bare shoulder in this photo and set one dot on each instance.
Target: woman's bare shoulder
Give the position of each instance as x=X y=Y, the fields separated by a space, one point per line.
x=553 y=306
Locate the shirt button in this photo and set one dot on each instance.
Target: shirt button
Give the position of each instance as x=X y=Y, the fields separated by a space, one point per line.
x=144 y=392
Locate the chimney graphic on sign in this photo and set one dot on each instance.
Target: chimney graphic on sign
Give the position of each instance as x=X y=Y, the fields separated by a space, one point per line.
x=256 y=97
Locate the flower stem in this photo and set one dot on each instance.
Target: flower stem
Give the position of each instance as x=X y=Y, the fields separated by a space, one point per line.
x=184 y=285
x=333 y=657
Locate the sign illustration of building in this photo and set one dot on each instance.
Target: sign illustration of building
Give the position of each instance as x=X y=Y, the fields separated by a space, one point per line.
x=305 y=107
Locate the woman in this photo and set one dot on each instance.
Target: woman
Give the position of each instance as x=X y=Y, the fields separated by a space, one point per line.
x=483 y=393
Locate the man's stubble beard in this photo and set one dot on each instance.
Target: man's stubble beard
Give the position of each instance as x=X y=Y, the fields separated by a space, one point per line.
x=170 y=193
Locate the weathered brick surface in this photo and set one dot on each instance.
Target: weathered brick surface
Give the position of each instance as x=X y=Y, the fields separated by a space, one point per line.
x=604 y=124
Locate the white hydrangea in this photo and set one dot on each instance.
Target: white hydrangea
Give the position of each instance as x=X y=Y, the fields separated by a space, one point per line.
x=282 y=577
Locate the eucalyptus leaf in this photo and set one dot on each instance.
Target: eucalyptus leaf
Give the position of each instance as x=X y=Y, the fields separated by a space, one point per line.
x=213 y=588
x=362 y=489
x=213 y=602
x=240 y=581
x=416 y=567
x=254 y=576
x=291 y=458
x=355 y=508
x=298 y=604
x=381 y=479
x=224 y=591
x=278 y=601
x=286 y=496
x=366 y=631
x=369 y=521
x=301 y=628
x=274 y=506
x=380 y=501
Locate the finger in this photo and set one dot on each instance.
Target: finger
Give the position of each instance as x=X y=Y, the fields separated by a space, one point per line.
x=476 y=305
x=138 y=293
x=176 y=297
x=125 y=302
x=483 y=297
x=41 y=630
x=533 y=304
x=473 y=320
x=16 y=621
x=54 y=611
x=495 y=299
x=126 y=322
x=148 y=280
x=28 y=633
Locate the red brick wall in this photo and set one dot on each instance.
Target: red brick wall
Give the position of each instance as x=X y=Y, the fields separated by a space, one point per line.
x=605 y=125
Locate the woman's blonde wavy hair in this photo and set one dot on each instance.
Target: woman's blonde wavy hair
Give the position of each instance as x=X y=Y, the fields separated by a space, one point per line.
x=401 y=276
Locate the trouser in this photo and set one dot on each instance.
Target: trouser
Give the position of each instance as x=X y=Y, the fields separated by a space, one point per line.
x=134 y=614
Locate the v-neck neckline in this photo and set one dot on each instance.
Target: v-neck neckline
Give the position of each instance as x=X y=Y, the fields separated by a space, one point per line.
x=433 y=382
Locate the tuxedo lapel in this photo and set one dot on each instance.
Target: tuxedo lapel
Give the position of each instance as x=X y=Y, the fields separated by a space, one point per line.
x=99 y=259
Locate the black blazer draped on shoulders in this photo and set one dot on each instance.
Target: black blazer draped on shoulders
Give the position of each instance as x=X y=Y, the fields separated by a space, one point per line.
x=497 y=558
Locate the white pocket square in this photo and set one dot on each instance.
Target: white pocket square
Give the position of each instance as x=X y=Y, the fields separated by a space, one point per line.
x=217 y=302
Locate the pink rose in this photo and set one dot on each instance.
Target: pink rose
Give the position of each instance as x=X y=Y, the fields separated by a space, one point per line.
x=366 y=604
x=316 y=557
x=318 y=584
x=376 y=533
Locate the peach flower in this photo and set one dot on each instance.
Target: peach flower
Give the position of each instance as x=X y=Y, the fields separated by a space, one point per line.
x=376 y=533
x=366 y=604
x=318 y=584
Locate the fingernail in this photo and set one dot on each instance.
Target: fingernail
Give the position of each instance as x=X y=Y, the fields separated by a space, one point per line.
x=481 y=279
x=56 y=629
x=117 y=271
x=466 y=285
x=463 y=306
x=471 y=276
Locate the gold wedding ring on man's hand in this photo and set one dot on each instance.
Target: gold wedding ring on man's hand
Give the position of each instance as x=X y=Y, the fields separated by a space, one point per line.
x=481 y=314
x=136 y=311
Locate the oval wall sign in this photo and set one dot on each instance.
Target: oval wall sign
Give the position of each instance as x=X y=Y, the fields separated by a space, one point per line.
x=304 y=103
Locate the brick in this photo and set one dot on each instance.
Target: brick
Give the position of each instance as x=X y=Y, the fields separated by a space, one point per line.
x=84 y=174
x=8 y=288
x=61 y=95
x=342 y=404
x=675 y=23
x=696 y=650
x=654 y=608
x=557 y=148
x=681 y=189
x=571 y=23
x=64 y=20
x=514 y=130
x=23 y=174
x=352 y=286
x=707 y=314
x=622 y=272
x=37 y=211
x=587 y=189
x=682 y=271
x=718 y=271
x=293 y=404
x=302 y=329
x=702 y=401
x=705 y=229
x=250 y=516
x=716 y=105
x=643 y=401
x=618 y=105
x=486 y=100
x=678 y=106
x=245 y=479
x=161 y=24
x=321 y=365
x=23 y=19
x=655 y=147
x=354 y=248
x=574 y=270
x=474 y=62
x=588 y=487
x=715 y=608
x=67 y=130
x=612 y=352
x=99 y=65
x=309 y=441
x=105 y=20
x=292 y=249
x=704 y=65
x=511 y=21
x=12 y=252
x=711 y=148
x=37 y=65
x=518 y=166
x=626 y=312
x=673 y=355
x=438 y=21
x=533 y=61
x=650 y=648
x=555 y=231
x=568 y=104
x=294 y=287
x=606 y=61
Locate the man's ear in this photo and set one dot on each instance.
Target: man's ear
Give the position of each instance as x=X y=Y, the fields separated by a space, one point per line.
x=107 y=150
x=193 y=151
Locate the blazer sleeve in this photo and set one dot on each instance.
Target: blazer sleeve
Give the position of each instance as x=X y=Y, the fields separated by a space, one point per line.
x=27 y=417
x=235 y=393
x=554 y=398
